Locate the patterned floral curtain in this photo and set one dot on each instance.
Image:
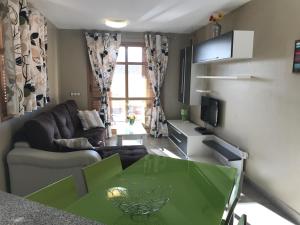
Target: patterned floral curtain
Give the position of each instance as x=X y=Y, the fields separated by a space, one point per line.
x=14 y=9
x=29 y=32
x=38 y=40
x=157 y=58
x=103 y=52
x=9 y=61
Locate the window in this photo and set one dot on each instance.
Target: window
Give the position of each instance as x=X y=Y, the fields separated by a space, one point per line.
x=3 y=92
x=131 y=89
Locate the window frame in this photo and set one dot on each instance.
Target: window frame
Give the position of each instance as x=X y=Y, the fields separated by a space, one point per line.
x=127 y=64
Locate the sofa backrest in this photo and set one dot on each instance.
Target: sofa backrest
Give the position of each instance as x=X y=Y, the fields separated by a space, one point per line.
x=73 y=111
x=63 y=121
x=41 y=132
x=60 y=122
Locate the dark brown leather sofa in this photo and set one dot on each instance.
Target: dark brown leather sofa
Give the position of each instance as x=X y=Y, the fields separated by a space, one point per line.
x=62 y=122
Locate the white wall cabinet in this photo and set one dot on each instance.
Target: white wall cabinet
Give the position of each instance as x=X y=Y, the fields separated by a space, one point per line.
x=233 y=45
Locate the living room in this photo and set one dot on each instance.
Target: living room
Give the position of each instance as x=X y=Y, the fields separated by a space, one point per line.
x=255 y=89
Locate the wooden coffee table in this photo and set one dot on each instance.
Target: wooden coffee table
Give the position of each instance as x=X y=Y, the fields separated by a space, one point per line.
x=130 y=134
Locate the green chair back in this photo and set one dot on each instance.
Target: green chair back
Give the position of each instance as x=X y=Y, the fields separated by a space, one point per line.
x=58 y=195
x=243 y=220
x=96 y=174
x=234 y=198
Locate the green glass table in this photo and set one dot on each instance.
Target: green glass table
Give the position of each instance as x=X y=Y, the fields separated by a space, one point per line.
x=199 y=193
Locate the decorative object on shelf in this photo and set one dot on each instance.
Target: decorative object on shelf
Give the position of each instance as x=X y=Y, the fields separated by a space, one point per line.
x=184 y=113
x=296 y=64
x=216 y=27
x=131 y=118
x=136 y=200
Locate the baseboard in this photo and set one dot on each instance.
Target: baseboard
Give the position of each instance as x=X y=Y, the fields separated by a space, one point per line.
x=286 y=211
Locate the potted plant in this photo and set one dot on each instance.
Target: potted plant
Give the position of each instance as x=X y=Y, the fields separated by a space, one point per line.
x=216 y=27
x=131 y=118
x=184 y=113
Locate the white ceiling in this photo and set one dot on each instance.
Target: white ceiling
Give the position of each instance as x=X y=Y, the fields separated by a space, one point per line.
x=174 y=16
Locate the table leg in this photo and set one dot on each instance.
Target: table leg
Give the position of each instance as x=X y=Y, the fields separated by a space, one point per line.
x=143 y=139
x=119 y=140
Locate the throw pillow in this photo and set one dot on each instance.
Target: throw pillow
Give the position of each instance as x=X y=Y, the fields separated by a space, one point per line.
x=90 y=119
x=74 y=143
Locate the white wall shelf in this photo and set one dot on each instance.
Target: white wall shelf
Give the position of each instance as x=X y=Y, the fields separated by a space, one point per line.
x=240 y=77
x=204 y=91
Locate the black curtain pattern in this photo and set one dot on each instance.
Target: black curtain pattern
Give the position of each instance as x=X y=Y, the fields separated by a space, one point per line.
x=157 y=59
x=103 y=52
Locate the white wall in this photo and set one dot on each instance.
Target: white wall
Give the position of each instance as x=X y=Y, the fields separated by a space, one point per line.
x=53 y=62
x=73 y=66
x=262 y=115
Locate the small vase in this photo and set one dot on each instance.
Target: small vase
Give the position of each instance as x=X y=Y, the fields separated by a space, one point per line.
x=184 y=114
x=131 y=122
x=216 y=30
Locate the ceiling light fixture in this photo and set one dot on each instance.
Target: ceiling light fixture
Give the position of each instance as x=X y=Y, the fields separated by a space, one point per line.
x=116 y=23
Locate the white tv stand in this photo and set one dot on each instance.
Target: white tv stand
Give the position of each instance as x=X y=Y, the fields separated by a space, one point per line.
x=200 y=147
x=187 y=139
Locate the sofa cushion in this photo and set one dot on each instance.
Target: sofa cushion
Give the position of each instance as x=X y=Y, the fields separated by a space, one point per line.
x=96 y=136
x=41 y=132
x=63 y=121
x=74 y=143
x=90 y=119
x=73 y=111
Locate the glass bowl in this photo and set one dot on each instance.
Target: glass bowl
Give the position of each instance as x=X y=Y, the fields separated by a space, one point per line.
x=135 y=199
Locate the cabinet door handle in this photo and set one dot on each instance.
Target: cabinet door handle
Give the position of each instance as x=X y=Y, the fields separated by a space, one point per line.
x=184 y=74
x=177 y=131
x=179 y=141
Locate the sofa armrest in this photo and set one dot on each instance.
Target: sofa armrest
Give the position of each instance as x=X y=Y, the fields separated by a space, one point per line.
x=21 y=144
x=45 y=159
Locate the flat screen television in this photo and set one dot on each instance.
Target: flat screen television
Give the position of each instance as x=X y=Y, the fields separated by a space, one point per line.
x=210 y=110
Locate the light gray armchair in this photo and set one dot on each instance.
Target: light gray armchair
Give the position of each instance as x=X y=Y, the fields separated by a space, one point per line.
x=31 y=169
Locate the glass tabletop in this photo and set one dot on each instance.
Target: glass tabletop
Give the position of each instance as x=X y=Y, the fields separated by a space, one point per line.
x=127 y=129
x=199 y=192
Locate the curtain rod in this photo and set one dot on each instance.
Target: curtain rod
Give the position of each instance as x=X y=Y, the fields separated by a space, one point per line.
x=171 y=37
x=164 y=34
